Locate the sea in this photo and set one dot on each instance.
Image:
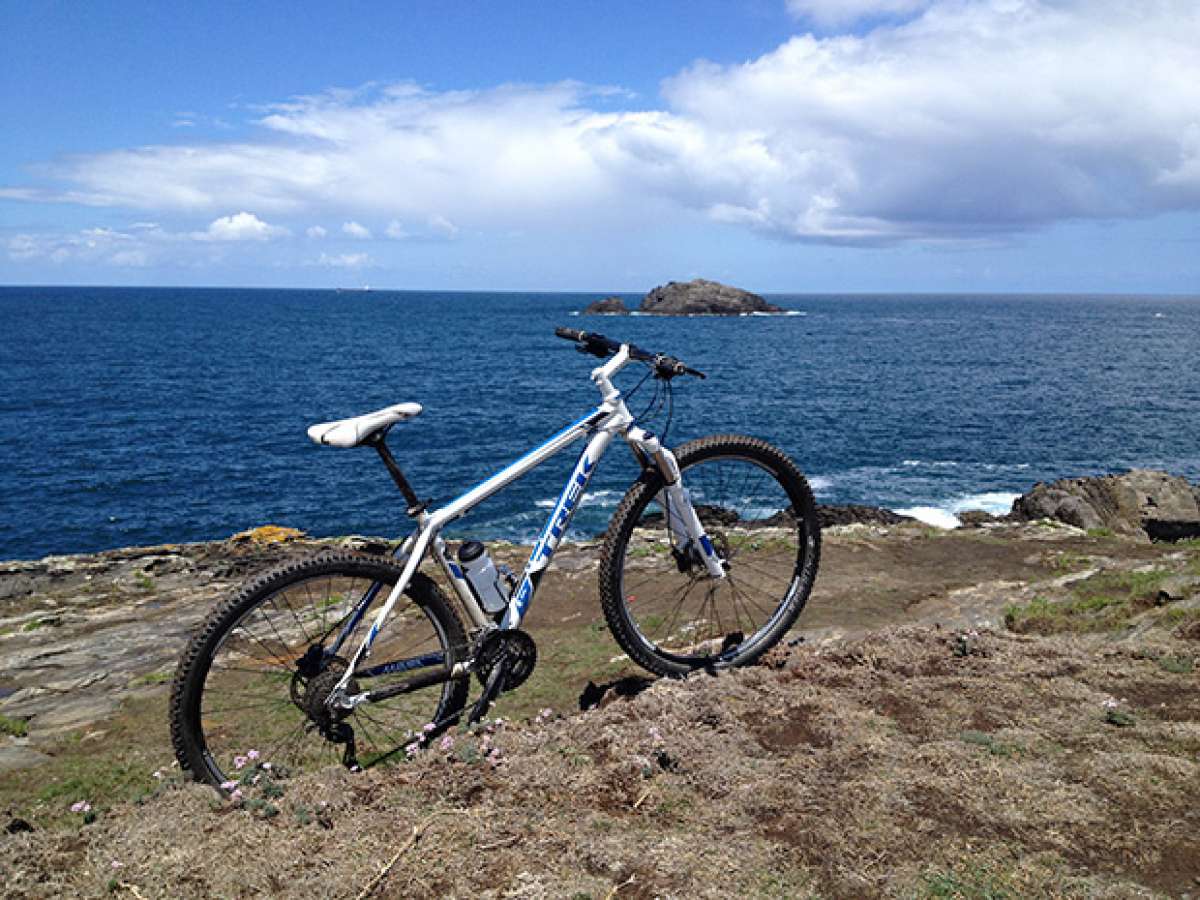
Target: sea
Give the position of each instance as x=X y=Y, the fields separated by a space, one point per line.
x=135 y=416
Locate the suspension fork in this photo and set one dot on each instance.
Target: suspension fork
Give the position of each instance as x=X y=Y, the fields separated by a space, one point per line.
x=682 y=520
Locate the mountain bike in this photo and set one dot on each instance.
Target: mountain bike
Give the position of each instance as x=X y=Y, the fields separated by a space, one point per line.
x=706 y=563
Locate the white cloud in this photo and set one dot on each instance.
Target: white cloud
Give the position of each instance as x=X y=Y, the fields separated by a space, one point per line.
x=315 y=232
x=396 y=231
x=357 y=231
x=241 y=226
x=842 y=12
x=973 y=118
x=90 y=245
x=344 y=260
x=443 y=227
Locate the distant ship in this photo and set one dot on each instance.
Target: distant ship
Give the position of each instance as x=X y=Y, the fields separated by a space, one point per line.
x=350 y=290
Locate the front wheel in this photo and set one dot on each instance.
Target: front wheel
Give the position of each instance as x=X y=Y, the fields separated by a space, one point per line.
x=661 y=604
x=252 y=685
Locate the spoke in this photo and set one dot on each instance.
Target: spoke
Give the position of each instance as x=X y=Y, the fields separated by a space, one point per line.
x=291 y=609
x=271 y=658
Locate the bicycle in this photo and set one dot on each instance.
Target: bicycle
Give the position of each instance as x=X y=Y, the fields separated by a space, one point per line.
x=707 y=576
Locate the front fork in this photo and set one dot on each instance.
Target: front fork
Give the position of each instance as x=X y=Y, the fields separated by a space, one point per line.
x=683 y=522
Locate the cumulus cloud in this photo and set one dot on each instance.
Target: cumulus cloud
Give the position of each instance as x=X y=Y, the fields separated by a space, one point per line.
x=951 y=120
x=315 y=232
x=396 y=231
x=357 y=231
x=241 y=226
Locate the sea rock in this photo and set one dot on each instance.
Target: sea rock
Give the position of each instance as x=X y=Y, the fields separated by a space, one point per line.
x=855 y=514
x=609 y=306
x=977 y=518
x=703 y=298
x=1141 y=501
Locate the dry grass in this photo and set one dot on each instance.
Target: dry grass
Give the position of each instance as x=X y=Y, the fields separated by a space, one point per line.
x=896 y=765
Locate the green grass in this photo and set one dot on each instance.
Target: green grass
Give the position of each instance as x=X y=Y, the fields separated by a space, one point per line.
x=144 y=581
x=1102 y=602
x=989 y=743
x=1099 y=532
x=150 y=678
x=117 y=767
x=1177 y=665
x=12 y=726
x=976 y=883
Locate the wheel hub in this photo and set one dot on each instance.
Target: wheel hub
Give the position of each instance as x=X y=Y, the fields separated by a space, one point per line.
x=315 y=701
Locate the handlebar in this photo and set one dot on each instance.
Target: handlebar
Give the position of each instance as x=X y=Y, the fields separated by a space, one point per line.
x=664 y=366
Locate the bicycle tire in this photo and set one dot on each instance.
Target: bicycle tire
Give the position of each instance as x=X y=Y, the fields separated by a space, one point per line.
x=762 y=521
x=250 y=647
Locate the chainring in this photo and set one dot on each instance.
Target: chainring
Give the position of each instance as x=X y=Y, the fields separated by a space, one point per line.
x=512 y=644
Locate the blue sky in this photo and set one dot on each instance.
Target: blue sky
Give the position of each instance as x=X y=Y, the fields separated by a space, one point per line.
x=783 y=145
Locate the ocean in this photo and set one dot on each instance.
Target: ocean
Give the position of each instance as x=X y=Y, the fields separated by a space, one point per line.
x=150 y=415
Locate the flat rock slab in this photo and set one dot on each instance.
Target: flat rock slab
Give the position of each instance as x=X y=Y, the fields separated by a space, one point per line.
x=17 y=756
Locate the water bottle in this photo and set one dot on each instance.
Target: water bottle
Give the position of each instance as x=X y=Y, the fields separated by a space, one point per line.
x=486 y=582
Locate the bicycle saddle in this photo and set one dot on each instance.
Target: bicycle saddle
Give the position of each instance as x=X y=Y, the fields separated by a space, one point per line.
x=357 y=430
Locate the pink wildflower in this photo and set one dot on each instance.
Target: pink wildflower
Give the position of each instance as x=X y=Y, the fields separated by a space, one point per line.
x=447 y=743
x=228 y=785
x=116 y=864
x=411 y=750
x=236 y=796
x=267 y=766
x=81 y=806
x=252 y=754
x=428 y=727
x=239 y=762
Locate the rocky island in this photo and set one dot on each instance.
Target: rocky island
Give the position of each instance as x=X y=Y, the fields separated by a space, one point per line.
x=692 y=298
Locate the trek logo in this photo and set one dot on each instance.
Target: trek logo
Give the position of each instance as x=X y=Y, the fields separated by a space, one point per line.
x=563 y=511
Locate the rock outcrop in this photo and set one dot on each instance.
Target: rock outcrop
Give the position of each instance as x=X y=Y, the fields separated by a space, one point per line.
x=855 y=514
x=609 y=306
x=1141 y=501
x=703 y=298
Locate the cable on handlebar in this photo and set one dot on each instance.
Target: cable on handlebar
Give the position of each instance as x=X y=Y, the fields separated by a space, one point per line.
x=665 y=367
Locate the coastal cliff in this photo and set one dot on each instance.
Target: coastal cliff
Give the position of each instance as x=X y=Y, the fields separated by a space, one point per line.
x=1014 y=706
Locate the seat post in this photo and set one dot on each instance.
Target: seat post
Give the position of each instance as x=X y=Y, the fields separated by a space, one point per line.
x=378 y=441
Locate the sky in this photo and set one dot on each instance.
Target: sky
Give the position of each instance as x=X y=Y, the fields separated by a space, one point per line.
x=780 y=145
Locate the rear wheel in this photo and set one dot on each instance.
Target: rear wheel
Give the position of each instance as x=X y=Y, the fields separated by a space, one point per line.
x=662 y=606
x=251 y=685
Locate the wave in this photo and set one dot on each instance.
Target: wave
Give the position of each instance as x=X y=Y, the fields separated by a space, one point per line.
x=997 y=503
x=820 y=483
x=604 y=499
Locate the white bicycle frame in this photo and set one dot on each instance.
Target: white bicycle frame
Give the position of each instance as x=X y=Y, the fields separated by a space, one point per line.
x=610 y=418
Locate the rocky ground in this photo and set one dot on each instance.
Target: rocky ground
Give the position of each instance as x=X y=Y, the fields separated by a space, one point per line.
x=1003 y=711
